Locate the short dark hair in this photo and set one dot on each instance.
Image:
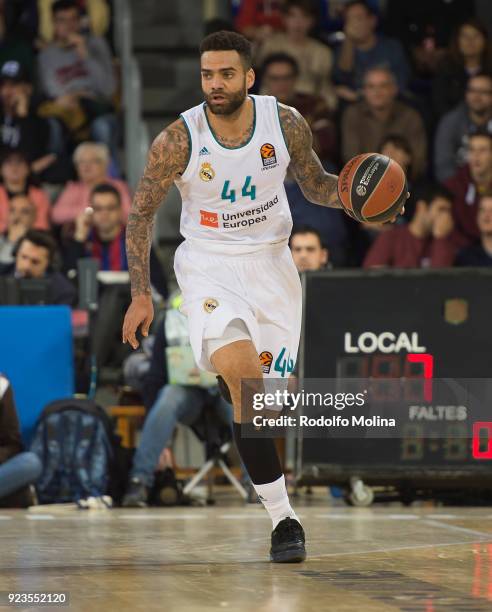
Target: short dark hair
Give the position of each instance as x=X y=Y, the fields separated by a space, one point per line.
x=8 y=153
x=485 y=196
x=64 y=5
x=428 y=191
x=480 y=75
x=362 y=3
x=306 y=6
x=106 y=188
x=481 y=133
x=228 y=41
x=280 y=58
x=400 y=142
x=40 y=238
x=306 y=229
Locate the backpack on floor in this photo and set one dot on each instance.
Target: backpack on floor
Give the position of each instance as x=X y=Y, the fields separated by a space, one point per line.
x=75 y=442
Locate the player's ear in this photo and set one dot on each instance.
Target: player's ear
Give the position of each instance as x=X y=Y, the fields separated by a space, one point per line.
x=325 y=256
x=250 y=78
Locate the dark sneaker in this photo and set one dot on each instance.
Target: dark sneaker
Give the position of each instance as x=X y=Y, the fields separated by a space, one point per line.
x=288 y=542
x=136 y=495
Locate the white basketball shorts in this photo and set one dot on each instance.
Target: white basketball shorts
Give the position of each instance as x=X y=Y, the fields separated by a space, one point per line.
x=259 y=286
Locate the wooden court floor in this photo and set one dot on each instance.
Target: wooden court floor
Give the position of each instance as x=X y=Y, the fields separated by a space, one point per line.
x=380 y=559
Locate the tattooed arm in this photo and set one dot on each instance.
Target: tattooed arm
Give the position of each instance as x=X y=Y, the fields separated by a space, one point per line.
x=167 y=159
x=317 y=185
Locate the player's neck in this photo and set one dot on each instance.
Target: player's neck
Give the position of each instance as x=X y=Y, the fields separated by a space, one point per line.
x=234 y=129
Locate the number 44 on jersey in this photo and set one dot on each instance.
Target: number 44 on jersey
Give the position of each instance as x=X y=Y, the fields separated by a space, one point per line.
x=247 y=190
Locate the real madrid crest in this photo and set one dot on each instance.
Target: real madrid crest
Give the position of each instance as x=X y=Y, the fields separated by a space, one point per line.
x=207 y=173
x=210 y=304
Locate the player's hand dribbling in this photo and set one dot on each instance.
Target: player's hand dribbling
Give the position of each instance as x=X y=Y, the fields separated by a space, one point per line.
x=140 y=312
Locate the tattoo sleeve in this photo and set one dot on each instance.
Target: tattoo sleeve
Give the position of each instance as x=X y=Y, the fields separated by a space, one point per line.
x=168 y=157
x=317 y=185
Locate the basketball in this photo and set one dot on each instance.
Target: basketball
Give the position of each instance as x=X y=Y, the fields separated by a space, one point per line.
x=372 y=188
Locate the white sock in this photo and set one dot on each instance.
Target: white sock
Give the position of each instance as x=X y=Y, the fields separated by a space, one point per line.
x=273 y=495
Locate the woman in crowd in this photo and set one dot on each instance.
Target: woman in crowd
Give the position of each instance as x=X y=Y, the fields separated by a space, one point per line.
x=16 y=180
x=469 y=53
x=91 y=161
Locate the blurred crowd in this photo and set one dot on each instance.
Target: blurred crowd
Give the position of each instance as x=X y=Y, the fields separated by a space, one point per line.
x=412 y=82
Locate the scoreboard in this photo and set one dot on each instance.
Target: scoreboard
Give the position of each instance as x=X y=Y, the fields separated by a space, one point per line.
x=432 y=327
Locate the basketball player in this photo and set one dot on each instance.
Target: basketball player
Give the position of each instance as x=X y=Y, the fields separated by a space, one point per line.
x=242 y=294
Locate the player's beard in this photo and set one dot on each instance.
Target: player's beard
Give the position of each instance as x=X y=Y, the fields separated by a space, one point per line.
x=233 y=102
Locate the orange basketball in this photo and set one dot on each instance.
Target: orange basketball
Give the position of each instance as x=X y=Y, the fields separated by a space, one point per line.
x=372 y=188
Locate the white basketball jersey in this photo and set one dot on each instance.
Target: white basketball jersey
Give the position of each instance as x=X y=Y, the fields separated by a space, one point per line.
x=236 y=196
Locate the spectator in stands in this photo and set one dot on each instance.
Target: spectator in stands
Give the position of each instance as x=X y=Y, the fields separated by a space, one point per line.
x=424 y=242
x=169 y=404
x=91 y=162
x=22 y=215
x=14 y=170
x=34 y=258
x=431 y=22
x=307 y=249
x=100 y=233
x=313 y=58
x=469 y=53
x=259 y=19
x=362 y=49
x=279 y=76
x=365 y=124
x=96 y=18
x=455 y=128
x=21 y=128
x=468 y=184
x=76 y=74
x=18 y=468
x=480 y=253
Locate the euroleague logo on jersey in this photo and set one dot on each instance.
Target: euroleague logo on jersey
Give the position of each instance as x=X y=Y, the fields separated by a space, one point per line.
x=268 y=156
x=266 y=359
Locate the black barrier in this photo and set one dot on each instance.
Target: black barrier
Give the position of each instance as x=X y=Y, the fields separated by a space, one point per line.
x=413 y=326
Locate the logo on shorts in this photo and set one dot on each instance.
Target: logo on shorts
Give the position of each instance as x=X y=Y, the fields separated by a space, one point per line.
x=210 y=219
x=207 y=173
x=360 y=190
x=266 y=359
x=267 y=152
x=210 y=304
